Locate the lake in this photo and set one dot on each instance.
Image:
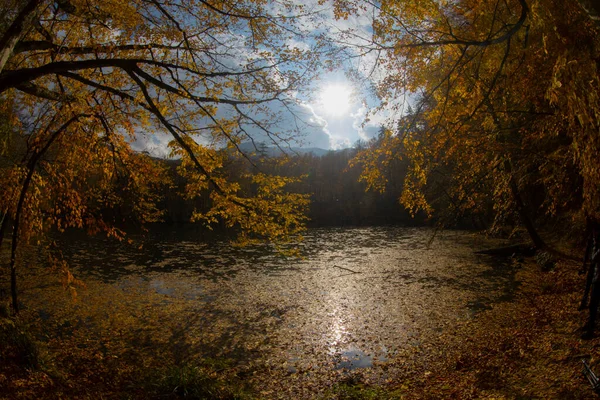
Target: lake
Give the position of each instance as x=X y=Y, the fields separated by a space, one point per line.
x=359 y=299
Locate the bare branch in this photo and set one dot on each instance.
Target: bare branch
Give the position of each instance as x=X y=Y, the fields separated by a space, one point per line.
x=44 y=93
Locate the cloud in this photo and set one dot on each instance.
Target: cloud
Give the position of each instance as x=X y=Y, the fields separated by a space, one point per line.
x=154 y=143
x=295 y=123
x=297 y=44
x=295 y=120
x=292 y=123
x=368 y=122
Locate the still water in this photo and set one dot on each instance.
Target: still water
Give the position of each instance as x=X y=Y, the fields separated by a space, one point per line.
x=358 y=297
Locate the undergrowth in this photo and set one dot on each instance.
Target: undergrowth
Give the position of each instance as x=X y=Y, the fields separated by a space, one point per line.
x=17 y=345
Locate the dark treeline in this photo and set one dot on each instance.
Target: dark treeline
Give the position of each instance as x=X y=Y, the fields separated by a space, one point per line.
x=338 y=198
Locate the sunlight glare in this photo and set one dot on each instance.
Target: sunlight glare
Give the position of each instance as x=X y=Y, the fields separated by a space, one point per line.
x=335 y=99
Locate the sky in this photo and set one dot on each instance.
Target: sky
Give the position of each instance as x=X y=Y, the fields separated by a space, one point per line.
x=336 y=118
x=335 y=114
x=340 y=109
x=347 y=113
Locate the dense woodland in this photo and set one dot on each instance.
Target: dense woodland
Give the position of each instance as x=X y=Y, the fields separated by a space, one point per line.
x=493 y=112
x=337 y=198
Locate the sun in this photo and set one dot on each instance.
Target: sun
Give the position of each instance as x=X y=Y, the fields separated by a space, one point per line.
x=335 y=99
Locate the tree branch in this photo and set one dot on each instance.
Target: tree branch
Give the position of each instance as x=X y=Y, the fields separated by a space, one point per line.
x=15 y=31
x=154 y=110
x=25 y=186
x=44 y=93
x=12 y=79
x=464 y=42
x=37 y=45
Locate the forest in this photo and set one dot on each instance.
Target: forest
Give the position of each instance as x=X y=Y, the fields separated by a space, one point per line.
x=474 y=185
x=337 y=198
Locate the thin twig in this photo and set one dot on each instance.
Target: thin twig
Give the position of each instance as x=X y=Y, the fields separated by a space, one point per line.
x=347 y=269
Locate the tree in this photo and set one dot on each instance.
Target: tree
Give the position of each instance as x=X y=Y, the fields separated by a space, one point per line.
x=505 y=99
x=80 y=80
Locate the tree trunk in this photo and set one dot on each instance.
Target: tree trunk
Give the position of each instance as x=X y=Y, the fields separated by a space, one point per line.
x=3 y=294
x=3 y=223
x=538 y=242
x=13 y=34
x=15 y=239
x=15 y=234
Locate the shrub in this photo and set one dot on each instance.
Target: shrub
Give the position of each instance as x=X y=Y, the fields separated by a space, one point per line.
x=16 y=344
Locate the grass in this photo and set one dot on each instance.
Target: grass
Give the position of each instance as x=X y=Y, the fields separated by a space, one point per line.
x=360 y=391
x=206 y=379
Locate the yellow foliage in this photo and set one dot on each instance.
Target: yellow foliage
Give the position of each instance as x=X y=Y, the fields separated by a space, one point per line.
x=500 y=84
x=85 y=79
